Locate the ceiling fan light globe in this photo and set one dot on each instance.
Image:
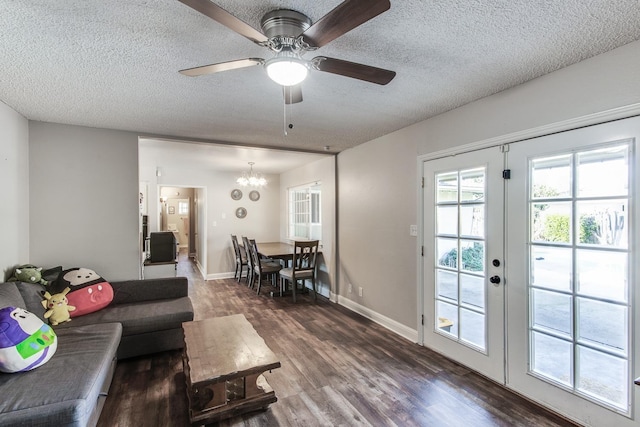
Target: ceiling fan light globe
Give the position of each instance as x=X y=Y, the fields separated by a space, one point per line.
x=286 y=71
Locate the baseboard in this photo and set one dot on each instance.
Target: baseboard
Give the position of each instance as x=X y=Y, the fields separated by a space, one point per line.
x=392 y=325
x=216 y=276
x=199 y=267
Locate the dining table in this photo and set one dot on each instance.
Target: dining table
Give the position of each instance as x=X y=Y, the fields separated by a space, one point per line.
x=276 y=250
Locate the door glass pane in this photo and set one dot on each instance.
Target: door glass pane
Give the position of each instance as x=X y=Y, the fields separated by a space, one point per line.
x=551 y=222
x=603 y=223
x=447 y=190
x=472 y=185
x=447 y=285
x=551 y=267
x=447 y=220
x=603 y=324
x=472 y=328
x=472 y=256
x=552 y=357
x=472 y=291
x=447 y=318
x=447 y=253
x=552 y=311
x=603 y=376
x=603 y=172
x=602 y=274
x=579 y=288
x=472 y=220
x=551 y=177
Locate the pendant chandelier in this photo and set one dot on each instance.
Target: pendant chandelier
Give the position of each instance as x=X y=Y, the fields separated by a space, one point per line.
x=251 y=178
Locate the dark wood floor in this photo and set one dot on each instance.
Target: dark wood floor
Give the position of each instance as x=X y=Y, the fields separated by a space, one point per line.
x=338 y=369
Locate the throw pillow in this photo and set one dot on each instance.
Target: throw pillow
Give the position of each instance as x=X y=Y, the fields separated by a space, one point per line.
x=89 y=292
x=26 y=342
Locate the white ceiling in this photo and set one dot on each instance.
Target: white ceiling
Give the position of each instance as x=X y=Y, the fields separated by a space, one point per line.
x=114 y=64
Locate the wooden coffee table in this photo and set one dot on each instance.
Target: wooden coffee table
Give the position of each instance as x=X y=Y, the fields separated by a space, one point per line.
x=224 y=359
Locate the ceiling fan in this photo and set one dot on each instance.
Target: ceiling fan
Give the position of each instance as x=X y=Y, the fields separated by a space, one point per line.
x=289 y=35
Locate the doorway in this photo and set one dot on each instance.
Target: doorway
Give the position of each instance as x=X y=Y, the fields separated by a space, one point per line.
x=529 y=267
x=179 y=215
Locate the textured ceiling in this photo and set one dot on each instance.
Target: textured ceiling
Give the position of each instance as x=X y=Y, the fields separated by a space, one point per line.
x=114 y=64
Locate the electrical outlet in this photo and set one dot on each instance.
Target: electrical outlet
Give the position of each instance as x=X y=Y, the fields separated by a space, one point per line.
x=360 y=291
x=350 y=288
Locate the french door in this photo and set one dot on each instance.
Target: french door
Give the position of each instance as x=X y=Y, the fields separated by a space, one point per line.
x=463 y=259
x=558 y=254
x=572 y=245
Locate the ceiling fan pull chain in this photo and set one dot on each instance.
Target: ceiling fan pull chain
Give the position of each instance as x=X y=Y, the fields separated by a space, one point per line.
x=284 y=117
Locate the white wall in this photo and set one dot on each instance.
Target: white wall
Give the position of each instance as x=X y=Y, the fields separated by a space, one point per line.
x=323 y=171
x=377 y=186
x=377 y=180
x=14 y=176
x=84 y=199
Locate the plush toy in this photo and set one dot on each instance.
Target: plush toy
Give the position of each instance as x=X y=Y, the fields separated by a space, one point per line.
x=89 y=292
x=58 y=307
x=26 y=342
x=28 y=273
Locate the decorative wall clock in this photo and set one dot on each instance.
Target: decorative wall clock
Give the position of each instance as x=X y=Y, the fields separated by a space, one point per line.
x=254 y=195
x=236 y=194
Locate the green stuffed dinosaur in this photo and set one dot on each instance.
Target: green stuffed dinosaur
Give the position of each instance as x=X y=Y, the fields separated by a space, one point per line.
x=28 y=273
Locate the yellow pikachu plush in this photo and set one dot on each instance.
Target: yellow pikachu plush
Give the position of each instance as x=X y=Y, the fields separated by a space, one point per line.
x=57 y=307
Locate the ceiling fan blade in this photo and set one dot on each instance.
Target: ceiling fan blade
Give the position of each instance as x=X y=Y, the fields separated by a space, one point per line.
x=292 y=94
x=344 y=18
x=351 y=69
x=221 y=66
x=220 y=15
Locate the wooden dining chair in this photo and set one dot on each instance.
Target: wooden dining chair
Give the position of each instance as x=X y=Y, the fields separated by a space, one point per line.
x=262 y=268
x=241 y=258
x=247 y=249
x=303 y=267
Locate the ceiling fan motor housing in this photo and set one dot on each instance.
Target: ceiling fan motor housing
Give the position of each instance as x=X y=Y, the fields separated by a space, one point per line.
x=283 y=27
x=284 y=22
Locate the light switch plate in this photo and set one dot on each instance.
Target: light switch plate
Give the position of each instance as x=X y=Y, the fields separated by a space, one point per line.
x=413 y=230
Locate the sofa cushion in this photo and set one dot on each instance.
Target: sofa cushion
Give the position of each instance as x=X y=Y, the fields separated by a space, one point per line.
x=88 y=291
x=26 y=342
x=44 y=397
x=130 y=291
x=141 y=317
x=10 y=296
x=32 y=293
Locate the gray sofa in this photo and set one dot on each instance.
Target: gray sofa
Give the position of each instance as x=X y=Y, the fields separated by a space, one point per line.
x=144 y=317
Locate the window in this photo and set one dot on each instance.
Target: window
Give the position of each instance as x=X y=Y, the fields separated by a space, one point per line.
x=304 y=216
x=183 y=208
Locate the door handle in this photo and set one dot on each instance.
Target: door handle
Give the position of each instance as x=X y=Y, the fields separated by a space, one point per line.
x=495 y=280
